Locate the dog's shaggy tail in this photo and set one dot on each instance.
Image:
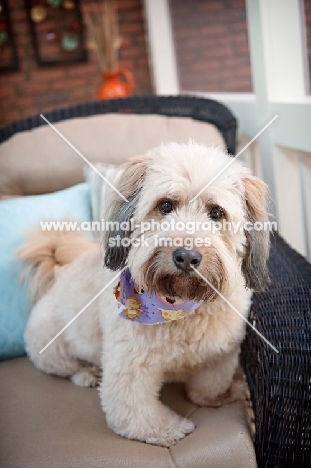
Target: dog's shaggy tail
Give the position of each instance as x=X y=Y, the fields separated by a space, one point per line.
x=44 y=255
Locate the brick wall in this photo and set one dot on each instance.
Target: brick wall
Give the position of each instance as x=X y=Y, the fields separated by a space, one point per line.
x=35 y=89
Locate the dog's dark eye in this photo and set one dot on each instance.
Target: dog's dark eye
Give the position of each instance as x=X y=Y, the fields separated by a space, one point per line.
x=216 y=212
x=166 y=207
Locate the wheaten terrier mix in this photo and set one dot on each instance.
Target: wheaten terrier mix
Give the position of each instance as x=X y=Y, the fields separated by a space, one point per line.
x=162 y=322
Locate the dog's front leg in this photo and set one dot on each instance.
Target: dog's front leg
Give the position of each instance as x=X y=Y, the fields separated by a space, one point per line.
x=129 y=395
x=214 y=384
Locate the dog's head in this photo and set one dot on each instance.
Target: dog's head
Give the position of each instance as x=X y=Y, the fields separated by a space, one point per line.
x=173 y=230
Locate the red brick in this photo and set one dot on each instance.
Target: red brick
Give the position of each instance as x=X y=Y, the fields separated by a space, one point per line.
x=133 y=16
x=32 y=88
x=43 y=74
x=212 y=6
x=73 y=83
x=83 y=70
x=6 y=104
x=18 y=14
x=127 y=5
x=16 y=77
x=130 y=28
x=12 y=115
x=24 y=102
x=14 y=4
x=24 y=41
x=6 y=92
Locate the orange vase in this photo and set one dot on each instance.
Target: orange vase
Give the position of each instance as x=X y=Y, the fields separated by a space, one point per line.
x=117 y=83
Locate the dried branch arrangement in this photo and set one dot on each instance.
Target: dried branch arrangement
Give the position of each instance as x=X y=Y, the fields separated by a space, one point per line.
x=102 y=23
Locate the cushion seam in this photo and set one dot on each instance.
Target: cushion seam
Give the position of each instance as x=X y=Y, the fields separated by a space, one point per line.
x=247 y=449
x=172 y=461
x=191 y=413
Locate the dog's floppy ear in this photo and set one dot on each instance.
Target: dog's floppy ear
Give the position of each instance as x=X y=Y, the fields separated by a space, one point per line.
x=254 y=264
x=128 y=182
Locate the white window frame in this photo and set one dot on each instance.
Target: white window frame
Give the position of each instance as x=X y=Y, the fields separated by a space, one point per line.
x=280 y=84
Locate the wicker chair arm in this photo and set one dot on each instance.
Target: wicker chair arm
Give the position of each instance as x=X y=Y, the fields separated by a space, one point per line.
x=280 y=384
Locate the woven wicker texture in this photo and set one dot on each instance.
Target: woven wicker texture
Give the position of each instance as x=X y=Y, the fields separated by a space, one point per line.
x=279 y=383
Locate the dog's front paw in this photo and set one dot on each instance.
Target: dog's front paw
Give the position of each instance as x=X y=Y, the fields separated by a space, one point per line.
x=87 y=376
x=174 y=429
x=164 y=430
x=236 y=392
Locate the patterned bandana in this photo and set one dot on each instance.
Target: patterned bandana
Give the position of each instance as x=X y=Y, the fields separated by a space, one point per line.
x=150 y=309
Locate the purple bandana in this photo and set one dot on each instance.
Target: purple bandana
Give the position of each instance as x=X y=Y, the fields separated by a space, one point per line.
x=150 y=309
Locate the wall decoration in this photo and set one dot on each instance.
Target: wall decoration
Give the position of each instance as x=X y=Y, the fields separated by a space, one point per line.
x=57 y=31
x=8 y=53
x=103 y=27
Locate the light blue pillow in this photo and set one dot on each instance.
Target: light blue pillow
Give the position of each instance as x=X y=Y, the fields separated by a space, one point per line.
x=99 y=190
x=17 y=216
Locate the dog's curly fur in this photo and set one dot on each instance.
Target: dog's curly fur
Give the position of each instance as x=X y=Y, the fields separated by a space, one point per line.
x=201 y=350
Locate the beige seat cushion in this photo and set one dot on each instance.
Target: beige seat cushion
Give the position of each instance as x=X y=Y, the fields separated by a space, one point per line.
x=40 y=161
x=49 y=422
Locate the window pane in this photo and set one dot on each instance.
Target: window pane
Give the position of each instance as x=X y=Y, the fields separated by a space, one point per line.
x=211 y=45
x=308 y=28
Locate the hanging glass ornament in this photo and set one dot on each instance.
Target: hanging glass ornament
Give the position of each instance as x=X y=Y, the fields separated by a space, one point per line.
x=51 y=36
x=69 y=42
x=54 y=3
x=68 y=4
x=38 y=14
x=3 y=37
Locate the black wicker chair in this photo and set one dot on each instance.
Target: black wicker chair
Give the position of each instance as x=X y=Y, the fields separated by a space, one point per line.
x=280 y=384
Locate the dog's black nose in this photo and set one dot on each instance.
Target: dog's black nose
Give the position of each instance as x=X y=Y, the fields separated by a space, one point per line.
x=184 y=259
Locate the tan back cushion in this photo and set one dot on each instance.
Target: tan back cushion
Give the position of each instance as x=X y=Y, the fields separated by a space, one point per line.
x=40 y=161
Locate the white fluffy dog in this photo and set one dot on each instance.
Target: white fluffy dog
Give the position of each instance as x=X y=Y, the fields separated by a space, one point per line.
x=200 y=348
